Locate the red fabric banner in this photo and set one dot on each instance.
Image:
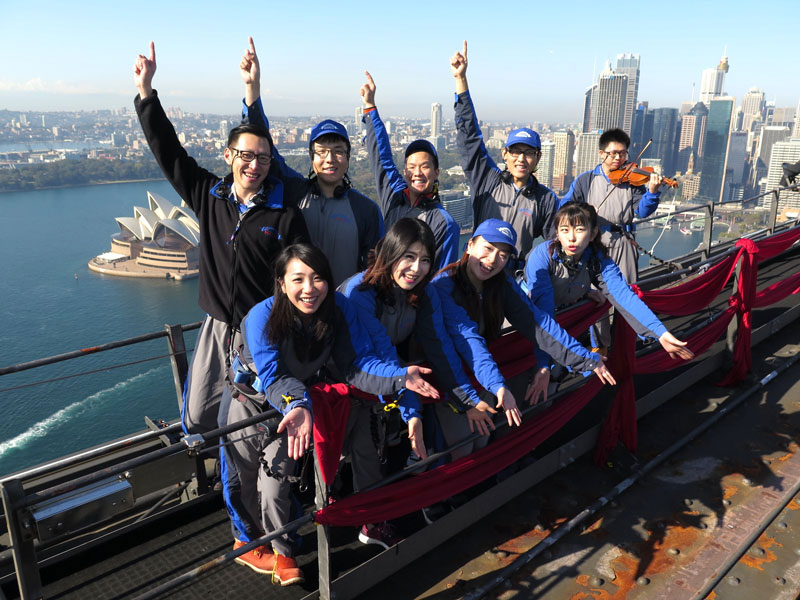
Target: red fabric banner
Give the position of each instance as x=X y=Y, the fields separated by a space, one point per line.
x=776 y=244
x=777 y=291
x=416 y=492
x=696 y=293
x=743 y=301
x=331 y=408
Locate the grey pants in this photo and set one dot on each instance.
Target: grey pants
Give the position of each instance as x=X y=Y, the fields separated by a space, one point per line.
x=253 y=467
x=205 y=381
x=455 y=427
x=359 y=444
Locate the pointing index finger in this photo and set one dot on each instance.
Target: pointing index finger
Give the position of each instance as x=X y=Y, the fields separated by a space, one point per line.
x=369 y=77
x=252 y=45
x=152 y=51
x=465 y=49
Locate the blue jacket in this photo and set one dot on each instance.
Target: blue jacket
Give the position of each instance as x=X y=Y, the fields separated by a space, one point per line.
x=429 y=330
x=283 y=378
x=530 y=210
x=554 y=284
x=393 y=195
x=549 y=338
x=345 y=227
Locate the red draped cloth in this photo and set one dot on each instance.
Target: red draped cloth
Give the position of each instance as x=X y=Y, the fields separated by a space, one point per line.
x=743 y=301
x=777 y=291
x=331 y=408
x=416 y=492
x=776 y=244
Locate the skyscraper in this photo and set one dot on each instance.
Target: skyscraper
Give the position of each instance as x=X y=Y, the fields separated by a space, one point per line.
x=767 y=138
x=795 y=131
x=665 y=138
x=715 y=152
x=785 y=151
x=562 y=159
x=641 y=131
x=628 y=64
x=436 y=119
x=608 y=103
x=587 y=158
x=737 y=153
x=588 y=102
x=692 y=137
x=544 y=171
x=713 y=81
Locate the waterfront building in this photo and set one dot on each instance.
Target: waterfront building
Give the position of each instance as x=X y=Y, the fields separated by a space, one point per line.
x=628 y=64
x=459 y=205
x=715 y=151
x=690 y=186
x=160 y=241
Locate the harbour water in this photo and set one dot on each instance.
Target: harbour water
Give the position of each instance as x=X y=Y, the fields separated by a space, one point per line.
x=51 y=303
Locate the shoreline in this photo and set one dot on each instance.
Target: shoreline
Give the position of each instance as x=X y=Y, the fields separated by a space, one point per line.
x=64 y=187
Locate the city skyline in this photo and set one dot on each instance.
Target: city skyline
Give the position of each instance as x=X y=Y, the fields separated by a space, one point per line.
x=313 y=63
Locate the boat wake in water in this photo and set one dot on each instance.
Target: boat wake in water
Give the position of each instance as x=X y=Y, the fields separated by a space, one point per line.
x=74 y=410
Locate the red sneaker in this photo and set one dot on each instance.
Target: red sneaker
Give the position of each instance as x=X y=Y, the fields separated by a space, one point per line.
x=261 y=560
x=286 y=571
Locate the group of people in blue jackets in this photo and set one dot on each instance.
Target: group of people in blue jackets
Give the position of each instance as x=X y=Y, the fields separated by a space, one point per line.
x=306 y=280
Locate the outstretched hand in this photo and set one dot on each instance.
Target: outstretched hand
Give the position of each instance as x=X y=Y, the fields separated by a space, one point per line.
x=458 y=66
x=297 y=424
x=416 y=383
x=506 y=401
x=603 y=374
x=538 y=386
x=480 y=418
x=368 y=92
x=143 y=70
x=675 y=347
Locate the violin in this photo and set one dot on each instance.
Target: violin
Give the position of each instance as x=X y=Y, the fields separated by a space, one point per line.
x=635 y=175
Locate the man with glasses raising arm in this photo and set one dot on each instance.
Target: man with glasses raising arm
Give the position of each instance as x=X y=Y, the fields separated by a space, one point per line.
x=341 y=221
x=244 y=225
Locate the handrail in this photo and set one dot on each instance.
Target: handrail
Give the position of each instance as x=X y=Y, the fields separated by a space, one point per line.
x=41 y=362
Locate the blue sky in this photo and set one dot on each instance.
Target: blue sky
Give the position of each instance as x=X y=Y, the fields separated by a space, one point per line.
x=529 y=61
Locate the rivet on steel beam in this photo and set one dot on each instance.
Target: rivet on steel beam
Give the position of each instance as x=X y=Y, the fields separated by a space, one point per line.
x=501 y=554
x=726 y=502
x=596 y=581
x=642 y=581
x=539 y=527
x=673 y=551
x=780 y=581
x=759 y=551
x=688 y=501
x=783 y=525
x=714 y=404
x=703 y=525
x=733 y=580
x=746 y=481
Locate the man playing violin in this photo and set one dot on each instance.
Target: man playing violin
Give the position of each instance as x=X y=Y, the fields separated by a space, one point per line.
x=616 y=205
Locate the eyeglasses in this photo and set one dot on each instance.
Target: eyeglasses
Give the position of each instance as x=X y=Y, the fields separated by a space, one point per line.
x=617 y=153
x=530 y=153
x=323 y=153
x=247 y=156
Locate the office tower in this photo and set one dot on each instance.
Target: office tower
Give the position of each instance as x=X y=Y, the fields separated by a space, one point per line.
x=608 y=103
x=459 y=206
x=782 y=115
x=753 y=102
x=641 y=132
x=544 y=171
x=715 y=151
x=628 y=64
x=44 y=122
x=588 y=156
x=23 y=119
x=588 y=103
x=692 y=137
x=737 y=154
x=795 y=131
x=436 y=119
x=223 y=129
x=690 y=186
x=562 y=159
x=767 y=137
x=784 y=151
x=665 y=138
x=713 y=81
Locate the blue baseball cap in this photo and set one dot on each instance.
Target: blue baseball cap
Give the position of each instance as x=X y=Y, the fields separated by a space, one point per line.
x=524 y=136
x=326 y=127
x=422 y=145
x=496 y=231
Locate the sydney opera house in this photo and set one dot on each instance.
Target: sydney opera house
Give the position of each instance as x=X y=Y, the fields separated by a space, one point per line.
x=158 y=241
